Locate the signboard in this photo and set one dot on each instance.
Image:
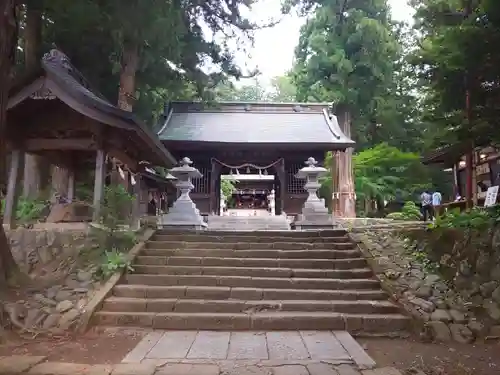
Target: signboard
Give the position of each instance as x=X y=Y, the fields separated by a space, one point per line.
x=483 y=169
x=491 y=196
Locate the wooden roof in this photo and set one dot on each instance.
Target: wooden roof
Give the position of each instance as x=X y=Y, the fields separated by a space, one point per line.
x=249 y=123
x=57 y=79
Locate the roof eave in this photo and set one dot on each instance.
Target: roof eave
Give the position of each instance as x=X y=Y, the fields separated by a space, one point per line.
x=337 y=145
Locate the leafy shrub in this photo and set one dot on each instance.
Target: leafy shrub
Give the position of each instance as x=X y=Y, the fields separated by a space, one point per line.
x=114 y=261
x=115 y=216
x=409 y=212
x=28 y=210
x=227 y=188
x=476 y=218
x=113 y=237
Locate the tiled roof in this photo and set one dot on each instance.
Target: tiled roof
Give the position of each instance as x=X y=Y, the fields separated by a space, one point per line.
x=258 y=123
x=57 y=68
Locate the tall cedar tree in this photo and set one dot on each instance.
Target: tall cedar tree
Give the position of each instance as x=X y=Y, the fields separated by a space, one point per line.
x=8 y=43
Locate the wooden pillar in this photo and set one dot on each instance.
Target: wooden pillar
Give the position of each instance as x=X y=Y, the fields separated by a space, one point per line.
x=31 y=179
x=469 y=184
x=345 y=192
x=100 y=174
x=13 y=188
x=456 y=182
x=281 y=174
x=214 y=190
x=71 y=185
x=137 y=203
x=336 y=187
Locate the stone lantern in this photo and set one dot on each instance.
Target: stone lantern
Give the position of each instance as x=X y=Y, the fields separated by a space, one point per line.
x=314 y=213
x=183 y=214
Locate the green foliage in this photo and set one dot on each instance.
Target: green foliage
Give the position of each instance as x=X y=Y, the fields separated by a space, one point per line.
x=227 y=188
x=455 y=57
x=113 y=262
x=84 y=192
x=281 y=90
x=116 y=201
x=28 y=210
x=477 y=218
x=409 y=212
x=174 y=40
x=383 y=171
x=114 y=235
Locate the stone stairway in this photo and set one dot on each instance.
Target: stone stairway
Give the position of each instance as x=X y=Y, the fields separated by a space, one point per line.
x=252 y=281
x=248 y=223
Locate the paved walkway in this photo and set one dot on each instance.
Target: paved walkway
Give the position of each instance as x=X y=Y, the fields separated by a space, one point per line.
x=256 y=353
x=222 y=353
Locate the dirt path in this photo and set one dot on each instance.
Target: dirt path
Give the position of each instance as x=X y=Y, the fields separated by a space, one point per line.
x=435 y=359
x=91 y=348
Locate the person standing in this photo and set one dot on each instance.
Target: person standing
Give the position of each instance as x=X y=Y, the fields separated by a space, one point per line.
x=426 y=200
x=436 y=202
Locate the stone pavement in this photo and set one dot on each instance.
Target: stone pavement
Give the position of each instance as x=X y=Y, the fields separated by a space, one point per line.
x=36 y=365
x=222 y=353
x=259 y=353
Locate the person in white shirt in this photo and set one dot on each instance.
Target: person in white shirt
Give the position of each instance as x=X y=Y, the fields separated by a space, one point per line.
x=436 y=201
x=426 y=201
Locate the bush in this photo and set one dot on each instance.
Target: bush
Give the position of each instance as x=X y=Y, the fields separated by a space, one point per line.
x=113 y=236
x=114 y=261
x=28 y=210
x=410 y=212
x=476 y=218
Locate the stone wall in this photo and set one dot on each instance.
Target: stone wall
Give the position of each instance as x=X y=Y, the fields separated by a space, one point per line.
x=55 y=257
x=448 y=282
x=40 y=246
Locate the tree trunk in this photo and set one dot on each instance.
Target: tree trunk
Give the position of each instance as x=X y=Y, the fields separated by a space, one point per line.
x=8 y=44
x=129 y=66
x=35 y=168
x=126 y=98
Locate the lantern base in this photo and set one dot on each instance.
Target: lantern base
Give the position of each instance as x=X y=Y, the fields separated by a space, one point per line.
x=182 y=215
x=317 y=221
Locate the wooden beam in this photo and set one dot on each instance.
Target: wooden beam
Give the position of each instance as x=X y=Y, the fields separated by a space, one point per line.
x=13 y=188
x=41 y=144
x=124 y=158
x=100 y=174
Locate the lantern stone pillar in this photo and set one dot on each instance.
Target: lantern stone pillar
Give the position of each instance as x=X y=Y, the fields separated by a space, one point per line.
x=314 y=213
x=272 y=203
x=222 y=204
x=183 y=214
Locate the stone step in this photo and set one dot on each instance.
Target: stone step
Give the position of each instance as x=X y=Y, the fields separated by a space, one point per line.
x=249 y=245
x=353 y=273
x=164 y=305
x=211 y=237
x=269 y=253
x=252 y=282
x=287 y=234
x=336 y=264
x=249 y=223
x=224 y=292
x=265 y=321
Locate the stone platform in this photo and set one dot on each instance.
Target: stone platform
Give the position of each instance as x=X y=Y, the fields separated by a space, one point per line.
x=37 y=365
x=258 y=353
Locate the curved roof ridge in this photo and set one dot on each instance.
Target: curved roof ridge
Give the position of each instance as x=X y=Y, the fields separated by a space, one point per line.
x=331 y=125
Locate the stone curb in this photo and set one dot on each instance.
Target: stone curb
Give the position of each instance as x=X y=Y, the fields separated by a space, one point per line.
x=98 y=298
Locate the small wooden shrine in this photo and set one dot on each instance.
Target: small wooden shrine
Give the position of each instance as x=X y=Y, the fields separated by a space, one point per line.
x=53 y=112
x=484 y=171
x=250 y=138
